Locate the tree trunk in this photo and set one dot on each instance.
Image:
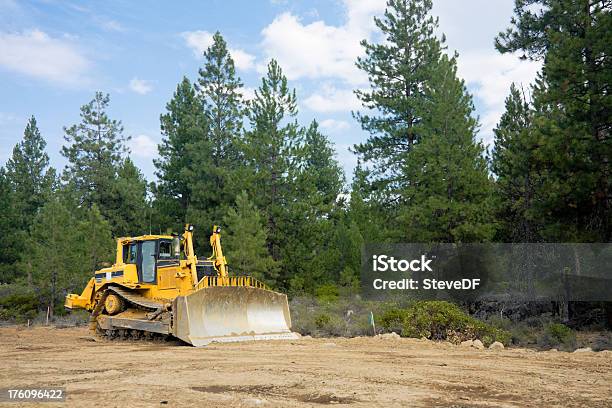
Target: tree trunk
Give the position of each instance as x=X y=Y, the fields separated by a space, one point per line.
x=53 y=290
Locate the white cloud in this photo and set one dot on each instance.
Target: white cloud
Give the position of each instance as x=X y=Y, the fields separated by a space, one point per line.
x=243 y=60
x=333 y=125
x=331 y=99
x=143 y=146
x=319 y=50
x=489 y=75
x=141 y=86
x=200 y=40
x=36 y=54
x=248 y=93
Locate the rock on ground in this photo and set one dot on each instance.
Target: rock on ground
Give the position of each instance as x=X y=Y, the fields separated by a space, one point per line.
x=387 y=336
x=583 y=350
x=496 y=345
x=467 y=343
x=478 y=344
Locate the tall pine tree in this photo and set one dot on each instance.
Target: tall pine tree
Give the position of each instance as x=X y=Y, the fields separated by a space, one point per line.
x=309 y=248
x=269 y=148
x=448 y=198
x=182 y=125
x=399 y=69
x=320 y=176
x=94 y=150
x=27 y=181
x=28 y=173
x=514 y=165
x=216 y=158
x=245 y=241
x=11 y=243
x=219 y=89
x=65 y=246
x=573 y=111
x=130 y=209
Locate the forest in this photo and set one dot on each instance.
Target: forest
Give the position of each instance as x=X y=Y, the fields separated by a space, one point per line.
x=290 y=215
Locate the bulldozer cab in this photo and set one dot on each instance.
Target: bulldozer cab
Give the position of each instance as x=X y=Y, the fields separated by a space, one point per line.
x=149 y=255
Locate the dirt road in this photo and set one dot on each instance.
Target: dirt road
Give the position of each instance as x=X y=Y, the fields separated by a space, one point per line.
x=309 y=372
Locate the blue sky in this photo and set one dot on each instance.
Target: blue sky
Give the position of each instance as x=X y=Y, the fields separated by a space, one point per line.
x=55 y=54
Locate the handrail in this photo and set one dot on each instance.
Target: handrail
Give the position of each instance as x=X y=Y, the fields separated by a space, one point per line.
x=244 y=281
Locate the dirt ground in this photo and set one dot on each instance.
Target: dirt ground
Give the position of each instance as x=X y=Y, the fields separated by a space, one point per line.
x=308 y=372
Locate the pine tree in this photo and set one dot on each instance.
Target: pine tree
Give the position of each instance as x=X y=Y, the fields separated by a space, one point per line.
x=309 y=246
x=182 y=125
x=515 y=168
x=65 y=246
x=449 y=195
x=219 y=89
x=573 y=111
x=216 y=158
x=28 y=174
x=94 y=150
x=27 y=182
x=348 y=241
x=245 y=242
x=10 y=244
x=93 y=233
x=130 y=210
x=399 y=70
x=320 y=174
x=269 y=147
x=51 y=251
x=365 y=208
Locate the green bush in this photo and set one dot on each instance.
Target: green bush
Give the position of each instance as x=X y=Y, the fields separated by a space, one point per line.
x=439 y=320
x=557 y=335
x=327 y=293
x=392 y=320
x=18 y=306
x=322 y=320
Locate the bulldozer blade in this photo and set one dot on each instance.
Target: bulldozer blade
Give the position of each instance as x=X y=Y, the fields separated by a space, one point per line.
x=231 y=313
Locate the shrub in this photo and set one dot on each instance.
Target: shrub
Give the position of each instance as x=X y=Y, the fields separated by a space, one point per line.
x=439 y=320
x=392 y=320
x=557 y=335
x=347 y=316
x=322 y=320
x=327 y=293
x=19 y=306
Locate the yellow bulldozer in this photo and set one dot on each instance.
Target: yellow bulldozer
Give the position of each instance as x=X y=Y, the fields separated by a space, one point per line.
x=158 y=286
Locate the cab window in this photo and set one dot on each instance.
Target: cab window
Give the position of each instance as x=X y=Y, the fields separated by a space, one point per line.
x=130 y=252
x=166 y=250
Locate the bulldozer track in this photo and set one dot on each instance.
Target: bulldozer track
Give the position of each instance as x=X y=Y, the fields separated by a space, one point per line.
x=134 y=335
x=133 y=301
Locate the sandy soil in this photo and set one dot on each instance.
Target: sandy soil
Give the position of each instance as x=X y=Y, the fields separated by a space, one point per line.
x=309 y=372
